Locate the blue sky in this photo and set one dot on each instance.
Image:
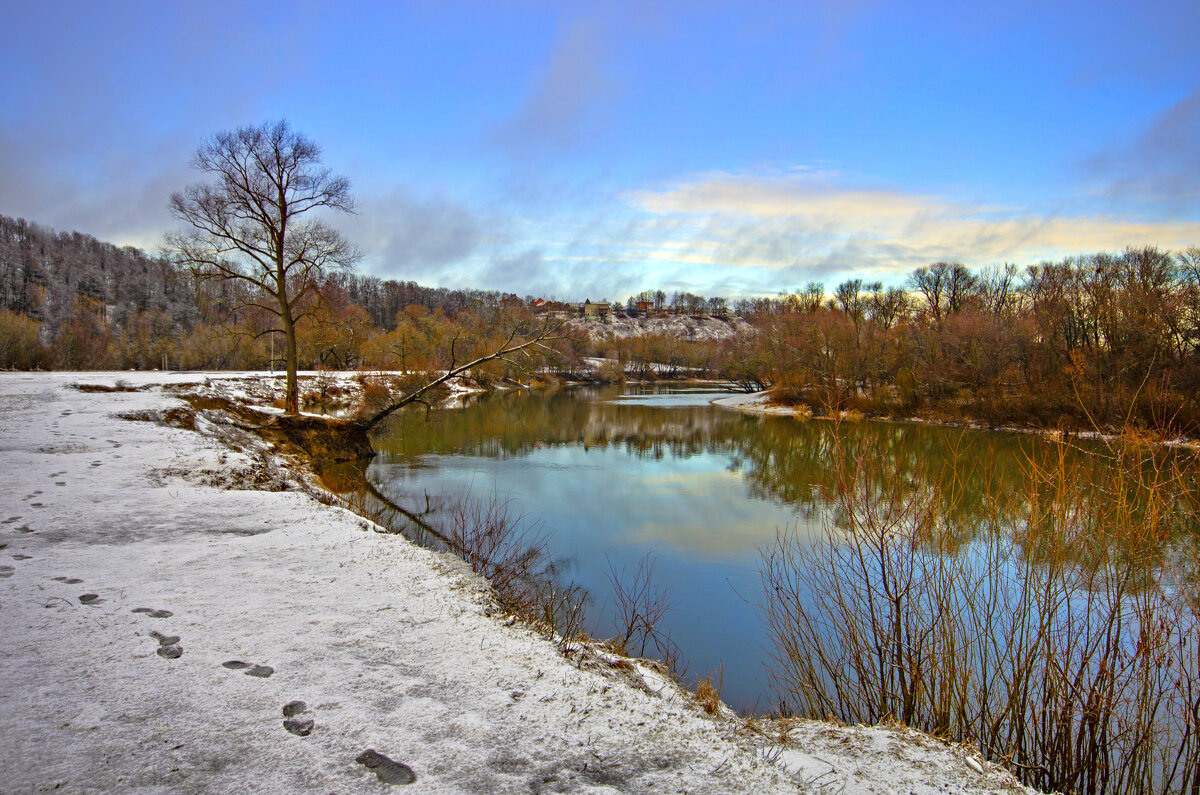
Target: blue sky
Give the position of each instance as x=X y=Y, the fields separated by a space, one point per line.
x=595 y=150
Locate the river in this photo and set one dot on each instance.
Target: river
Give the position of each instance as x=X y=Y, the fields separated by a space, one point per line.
x=609 y=474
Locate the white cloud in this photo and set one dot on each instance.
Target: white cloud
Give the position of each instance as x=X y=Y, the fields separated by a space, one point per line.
x=811 y=221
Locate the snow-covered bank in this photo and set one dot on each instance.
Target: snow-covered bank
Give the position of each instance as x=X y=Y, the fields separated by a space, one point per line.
x=137 y=563
x=758 y=403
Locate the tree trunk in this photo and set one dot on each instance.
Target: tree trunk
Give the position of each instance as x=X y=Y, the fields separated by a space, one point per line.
x=292 y=399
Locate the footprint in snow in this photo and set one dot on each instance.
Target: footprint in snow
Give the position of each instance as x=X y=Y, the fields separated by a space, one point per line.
x=6 y=571
x=11 y=519
x=168 y=646
x=299 y=726
x=21 y=557
x=68 y=580
x=261 y=671
x=150 y=611
x=389 y=770
x=90 y=599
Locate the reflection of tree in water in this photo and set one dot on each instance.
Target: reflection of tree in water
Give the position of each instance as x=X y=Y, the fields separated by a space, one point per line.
x=798 y=463
x=966 y=473
x=498 y=544
x=515 y=423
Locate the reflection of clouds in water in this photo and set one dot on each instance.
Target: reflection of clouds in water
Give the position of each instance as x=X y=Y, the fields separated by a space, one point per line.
x=711 y=536
x=670 y=401
x=710 y=516
x=690 y=481
x=676 y=398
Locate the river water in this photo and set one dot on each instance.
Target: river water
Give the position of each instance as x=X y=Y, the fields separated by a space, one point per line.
x=611 y=473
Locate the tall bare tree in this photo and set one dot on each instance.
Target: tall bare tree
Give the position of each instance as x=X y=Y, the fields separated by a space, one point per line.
x=258 y=222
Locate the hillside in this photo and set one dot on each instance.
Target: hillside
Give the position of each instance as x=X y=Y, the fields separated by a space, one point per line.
x=683 y=327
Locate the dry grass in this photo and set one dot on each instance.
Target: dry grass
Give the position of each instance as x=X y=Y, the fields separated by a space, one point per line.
x=708 y=693
x=119 y=386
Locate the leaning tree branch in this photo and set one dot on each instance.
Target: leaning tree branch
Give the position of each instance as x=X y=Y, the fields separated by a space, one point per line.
x=547 y=333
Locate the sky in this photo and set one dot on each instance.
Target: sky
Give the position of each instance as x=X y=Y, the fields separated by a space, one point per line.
x=595 y=150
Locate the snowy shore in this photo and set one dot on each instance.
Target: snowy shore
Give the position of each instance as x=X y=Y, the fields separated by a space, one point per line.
x=158 y=611
x=756 y=403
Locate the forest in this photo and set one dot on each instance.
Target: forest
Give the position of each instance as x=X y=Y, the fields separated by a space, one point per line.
x=1086 y=342
x=1091 y=342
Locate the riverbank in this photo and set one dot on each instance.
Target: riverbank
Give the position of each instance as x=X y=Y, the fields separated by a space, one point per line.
x=761 y=403
x=166 y=592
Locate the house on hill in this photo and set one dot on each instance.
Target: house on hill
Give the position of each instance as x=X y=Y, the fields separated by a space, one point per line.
x=593 y=309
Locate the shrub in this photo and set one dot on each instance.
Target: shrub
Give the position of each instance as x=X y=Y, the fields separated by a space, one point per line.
x=19 y=346
x=1060 y=639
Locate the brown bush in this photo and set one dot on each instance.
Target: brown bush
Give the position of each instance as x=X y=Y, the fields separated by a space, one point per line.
x=1060 y=639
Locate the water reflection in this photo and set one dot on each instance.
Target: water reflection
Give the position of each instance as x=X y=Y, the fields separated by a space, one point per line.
x=610 y=472
x=705 y=454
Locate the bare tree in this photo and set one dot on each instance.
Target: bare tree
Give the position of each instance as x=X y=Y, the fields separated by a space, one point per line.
x=946 y=288
x=638 y=606
x=254 y=223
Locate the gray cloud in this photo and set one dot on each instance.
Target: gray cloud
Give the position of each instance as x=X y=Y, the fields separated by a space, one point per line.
x=524 y=273
x=405 y=236
x=560 y=110
x=121 y=199
x=530 y=272
x=1161 y=164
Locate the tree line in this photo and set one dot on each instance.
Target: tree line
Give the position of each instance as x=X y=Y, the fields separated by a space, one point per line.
x=1085 y=341
x=70 y=301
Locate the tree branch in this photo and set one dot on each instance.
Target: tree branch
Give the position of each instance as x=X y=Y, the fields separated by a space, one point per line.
x=548 y=332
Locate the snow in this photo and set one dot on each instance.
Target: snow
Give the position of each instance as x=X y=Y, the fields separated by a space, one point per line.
x=390 y=646
x=758 y=403
x=683 y=327
x=833 y=758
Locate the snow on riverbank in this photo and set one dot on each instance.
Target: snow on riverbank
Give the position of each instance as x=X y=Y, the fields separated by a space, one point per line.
x=758 y=403
x=138 y=571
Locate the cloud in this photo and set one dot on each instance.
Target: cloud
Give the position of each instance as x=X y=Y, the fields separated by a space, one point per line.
x=560 y=110
x=121 y=198
x=809 y=225
x=532 y=272
x=1159 y=165
x=406 y=236
x=517 y=273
